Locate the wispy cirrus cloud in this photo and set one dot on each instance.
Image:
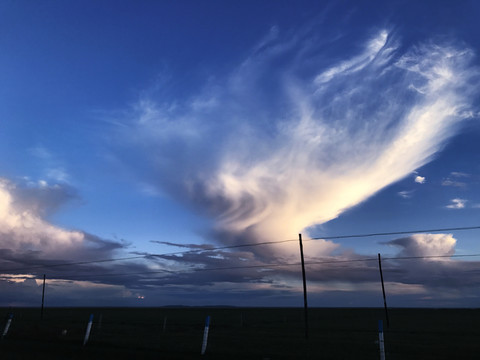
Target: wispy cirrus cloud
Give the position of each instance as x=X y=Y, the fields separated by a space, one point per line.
x=457 y=203
x=289 y=140
x=358 y=62
x=52 y=168
x=406 y=194
x=456 y=179
x=454 y=183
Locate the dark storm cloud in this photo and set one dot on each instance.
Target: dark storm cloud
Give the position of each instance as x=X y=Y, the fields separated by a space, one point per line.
x=200 y=277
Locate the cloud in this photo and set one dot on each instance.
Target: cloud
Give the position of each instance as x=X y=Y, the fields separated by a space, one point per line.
x=291 y=139
x=406 y=194
x=457 y=204
x=357 y=63
x=198 y=275
x=452 y=180
x=31 y=246
x=27 y=238
x=458 y=174
x=422 y=267
x=442 y=277
x=420 y=179
x=425 y=245
x=41 y=198
x=52 y=166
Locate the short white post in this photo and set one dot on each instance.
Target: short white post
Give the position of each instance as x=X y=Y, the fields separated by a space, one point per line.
x=89 y=328
x=381 y=341
x=205 y=334
x=7 y=325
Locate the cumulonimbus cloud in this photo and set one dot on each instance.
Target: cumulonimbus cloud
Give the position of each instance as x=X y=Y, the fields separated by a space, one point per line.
x=291 y=138
x=26 y=237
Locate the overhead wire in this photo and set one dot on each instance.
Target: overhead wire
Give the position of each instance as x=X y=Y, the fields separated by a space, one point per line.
x=208 y=249
x=266 y=266
x=395 y=233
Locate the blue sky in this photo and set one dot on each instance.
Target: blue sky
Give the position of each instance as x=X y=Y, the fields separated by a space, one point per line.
x=132 y=129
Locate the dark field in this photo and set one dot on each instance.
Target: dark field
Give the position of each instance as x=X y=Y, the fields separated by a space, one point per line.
x=240 y=333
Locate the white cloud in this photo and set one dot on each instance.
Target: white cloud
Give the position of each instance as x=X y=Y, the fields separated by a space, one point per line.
x=357 y=63
x=452 y=180
x=41 y=152
x=459 y=174
x=457 y=204
x=51 y=165
x=420 y=179
x=278 y=152
x=58 y=174
x=405 y=194
x=23 y=229
x=418 y=245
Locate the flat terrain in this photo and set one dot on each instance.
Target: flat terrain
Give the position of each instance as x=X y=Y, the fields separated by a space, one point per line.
x=240 y=333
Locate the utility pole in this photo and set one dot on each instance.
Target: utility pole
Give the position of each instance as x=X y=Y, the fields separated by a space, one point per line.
x=43 y=297
x=305 y=305
x=383 y=289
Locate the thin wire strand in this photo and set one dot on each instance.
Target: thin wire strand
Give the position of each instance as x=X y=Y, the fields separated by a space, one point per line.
x=267 y=266
x=395 y=233
x=44 y=266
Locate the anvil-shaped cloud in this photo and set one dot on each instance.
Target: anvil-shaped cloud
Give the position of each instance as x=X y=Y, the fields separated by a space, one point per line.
x=297 y=133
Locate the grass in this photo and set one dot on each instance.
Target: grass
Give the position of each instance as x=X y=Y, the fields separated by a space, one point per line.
x=240 y=333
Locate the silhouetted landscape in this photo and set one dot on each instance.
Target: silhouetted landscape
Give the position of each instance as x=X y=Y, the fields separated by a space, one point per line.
x=240 y=333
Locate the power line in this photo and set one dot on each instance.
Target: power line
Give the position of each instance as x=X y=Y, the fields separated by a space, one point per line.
x=238 y=246
x=269 y=266
x=395 y=233
x=72 y=263
x=147 y=255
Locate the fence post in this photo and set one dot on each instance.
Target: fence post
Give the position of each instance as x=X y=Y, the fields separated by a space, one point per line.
x=381 y=341
x=205 y=335
x=89 y=328
x=7 y=325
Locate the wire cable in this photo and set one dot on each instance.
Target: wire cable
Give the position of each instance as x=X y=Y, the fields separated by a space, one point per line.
x=45 y=266
x=266 y=266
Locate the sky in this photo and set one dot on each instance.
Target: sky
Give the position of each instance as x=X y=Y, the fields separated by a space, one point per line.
x=160 y=153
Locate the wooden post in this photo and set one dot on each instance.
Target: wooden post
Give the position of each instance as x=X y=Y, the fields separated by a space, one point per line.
x=383 y=289
x=305 y=305
x=43 y=297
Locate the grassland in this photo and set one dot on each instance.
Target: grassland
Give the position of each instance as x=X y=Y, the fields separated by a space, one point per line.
x=240 y=333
